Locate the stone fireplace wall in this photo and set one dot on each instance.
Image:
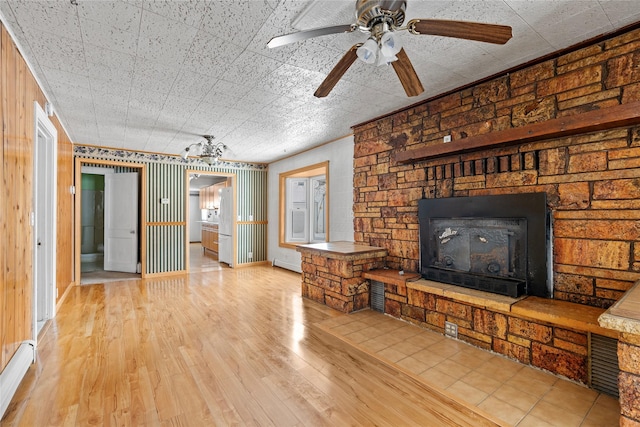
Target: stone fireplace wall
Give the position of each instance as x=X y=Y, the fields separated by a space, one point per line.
x=592 y=180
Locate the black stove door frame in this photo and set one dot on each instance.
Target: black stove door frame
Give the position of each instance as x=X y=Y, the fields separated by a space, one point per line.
x=532 y=206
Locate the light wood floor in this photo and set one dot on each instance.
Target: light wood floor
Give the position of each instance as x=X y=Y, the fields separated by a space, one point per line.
x=223 y=347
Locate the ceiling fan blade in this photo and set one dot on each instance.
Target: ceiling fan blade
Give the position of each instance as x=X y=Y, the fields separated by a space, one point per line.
x=407 y=74
x=490 y=33
x=304 y=35
x=338 y=71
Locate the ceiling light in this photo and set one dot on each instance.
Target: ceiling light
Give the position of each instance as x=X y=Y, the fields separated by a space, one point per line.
x=209 y=152
x=368 y=52
x=390 y=44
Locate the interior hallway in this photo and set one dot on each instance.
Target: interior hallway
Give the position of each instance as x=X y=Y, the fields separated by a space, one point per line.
x=240 y=346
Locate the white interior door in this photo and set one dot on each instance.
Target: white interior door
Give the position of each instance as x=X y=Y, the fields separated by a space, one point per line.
x=121 y=222
x=44 y=219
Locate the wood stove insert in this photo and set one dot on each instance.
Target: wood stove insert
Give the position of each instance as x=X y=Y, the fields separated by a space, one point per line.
x=497 y=244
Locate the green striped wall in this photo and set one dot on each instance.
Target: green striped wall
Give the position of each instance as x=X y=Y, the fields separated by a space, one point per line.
x=166 y=179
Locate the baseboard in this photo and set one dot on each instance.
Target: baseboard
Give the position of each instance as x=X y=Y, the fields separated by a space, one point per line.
x=283 y=264
x=12 y=375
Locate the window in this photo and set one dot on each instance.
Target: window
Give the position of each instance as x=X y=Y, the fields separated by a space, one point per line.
x=304 y=214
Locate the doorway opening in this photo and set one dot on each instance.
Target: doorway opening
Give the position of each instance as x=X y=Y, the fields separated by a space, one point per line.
x=110 y=228
x=43 y=220
x=204 y=194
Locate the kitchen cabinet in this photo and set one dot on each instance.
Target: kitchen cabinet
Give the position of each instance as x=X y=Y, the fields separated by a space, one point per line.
x=210 y=237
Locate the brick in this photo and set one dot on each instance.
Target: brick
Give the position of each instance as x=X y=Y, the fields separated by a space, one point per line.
x=591 y=99
x=313 y=293
x=592 y=253
x=562 y=362
x=421 y=299
x=530 y=330
x=618 y=285
x=631 y=93
x=435 y=319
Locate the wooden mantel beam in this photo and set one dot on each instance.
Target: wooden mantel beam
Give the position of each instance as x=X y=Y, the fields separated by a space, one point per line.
x=592 y=121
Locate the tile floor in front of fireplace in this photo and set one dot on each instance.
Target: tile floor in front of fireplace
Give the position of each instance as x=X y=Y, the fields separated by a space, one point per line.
x=517 y=394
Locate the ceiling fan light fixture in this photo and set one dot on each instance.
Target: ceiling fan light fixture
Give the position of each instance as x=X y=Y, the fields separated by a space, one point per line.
x=390 y=45
x=368 y=52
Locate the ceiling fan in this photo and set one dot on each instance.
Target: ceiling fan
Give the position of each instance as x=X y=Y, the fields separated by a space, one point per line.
x=381 y=19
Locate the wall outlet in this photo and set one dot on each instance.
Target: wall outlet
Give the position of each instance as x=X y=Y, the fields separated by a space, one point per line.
x=446 y=138
x=451 y=329
x=250 y=255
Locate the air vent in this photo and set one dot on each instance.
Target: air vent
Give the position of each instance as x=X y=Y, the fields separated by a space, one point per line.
x=604 y=364
x=377 y=296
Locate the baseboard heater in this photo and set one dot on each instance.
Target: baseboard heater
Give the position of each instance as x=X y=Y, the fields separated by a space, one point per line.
x=287 y=265
x=12 y=375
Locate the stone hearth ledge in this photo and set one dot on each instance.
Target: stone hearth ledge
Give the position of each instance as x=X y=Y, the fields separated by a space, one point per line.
x=556 y=312
x=624 y=315
x=343 y=250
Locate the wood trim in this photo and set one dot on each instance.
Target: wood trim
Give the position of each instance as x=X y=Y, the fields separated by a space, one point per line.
x=592 y=121
x=142 y=197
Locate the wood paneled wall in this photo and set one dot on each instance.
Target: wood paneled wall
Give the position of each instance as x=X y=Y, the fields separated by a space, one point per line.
x=18 y=91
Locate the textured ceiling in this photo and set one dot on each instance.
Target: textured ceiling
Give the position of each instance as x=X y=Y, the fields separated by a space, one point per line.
x=156 y=75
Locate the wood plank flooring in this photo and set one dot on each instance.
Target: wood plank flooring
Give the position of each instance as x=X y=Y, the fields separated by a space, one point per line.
x=224 y=347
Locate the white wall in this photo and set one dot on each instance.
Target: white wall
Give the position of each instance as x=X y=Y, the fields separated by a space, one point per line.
x=340 y=156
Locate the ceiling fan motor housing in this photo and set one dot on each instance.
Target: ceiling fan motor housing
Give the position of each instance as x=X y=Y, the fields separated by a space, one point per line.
x=372 y=12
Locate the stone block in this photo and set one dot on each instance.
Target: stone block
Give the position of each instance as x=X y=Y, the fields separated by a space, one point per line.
x=530 y=75
x=454 y=309
x=530 y=330
x=553 y=161
x=629 y=358
x=562 y=362
x=435 y=319
x=421 y=299
x=523 y=342
x=611 y=229
x=340 y=268
x=579 y=338
x=490 y=323
x=393 y=308
x=361 y=301
x=338 y=302
x=592 y=253
x=490 y=92
x=413 y=312
x=587 y=162
x=623 y=70
x=313 y=293
x=574 y=284
x=574 y=195
x=617 y=189
x=512 y=179
x=562 y=83
x=536 y=111
x=629 y=388
x=511 y=350
x=571 y=347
